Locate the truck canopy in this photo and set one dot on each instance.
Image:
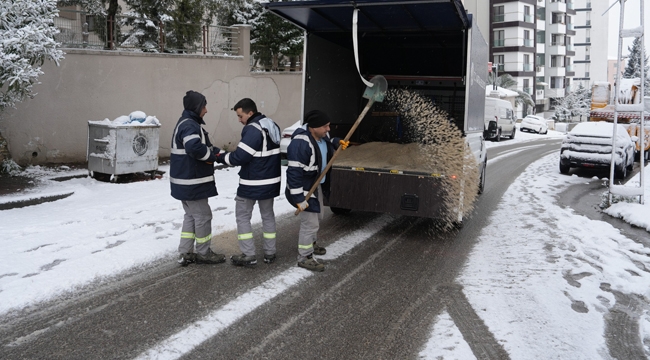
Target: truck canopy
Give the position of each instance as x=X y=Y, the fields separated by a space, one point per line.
x=409 y=33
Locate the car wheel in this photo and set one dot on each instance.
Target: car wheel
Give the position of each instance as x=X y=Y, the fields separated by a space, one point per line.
x=498 y=135
x=340 y=211
x=565 y=166
x=621 y=172
x=512 y=135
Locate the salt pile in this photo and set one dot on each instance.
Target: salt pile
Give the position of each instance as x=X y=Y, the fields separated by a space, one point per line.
x=436 y=146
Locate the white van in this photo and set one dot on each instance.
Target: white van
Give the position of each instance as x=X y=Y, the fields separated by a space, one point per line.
x=499 y=119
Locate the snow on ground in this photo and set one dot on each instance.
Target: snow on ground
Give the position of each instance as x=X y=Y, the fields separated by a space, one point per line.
x=540 y=281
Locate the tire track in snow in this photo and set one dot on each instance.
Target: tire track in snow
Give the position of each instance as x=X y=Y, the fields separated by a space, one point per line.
x=196 y=333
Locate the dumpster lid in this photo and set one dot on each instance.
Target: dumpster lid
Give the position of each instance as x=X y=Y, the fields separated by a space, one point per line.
x=374 y=15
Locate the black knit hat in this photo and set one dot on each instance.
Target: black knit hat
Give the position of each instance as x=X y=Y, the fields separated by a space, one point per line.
x=194 y=101
x=316 y=118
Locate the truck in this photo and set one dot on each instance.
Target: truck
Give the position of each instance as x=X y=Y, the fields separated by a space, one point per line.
x=432 y=47
x=602 y=109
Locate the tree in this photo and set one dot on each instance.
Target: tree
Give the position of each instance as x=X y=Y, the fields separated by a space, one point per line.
x=633 y=67
x=98 y=9
x=26 y=41
x=272 y=38
x=576 y=103
x=506 y=81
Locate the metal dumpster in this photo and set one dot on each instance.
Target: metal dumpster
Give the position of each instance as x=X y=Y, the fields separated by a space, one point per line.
x=122 y=149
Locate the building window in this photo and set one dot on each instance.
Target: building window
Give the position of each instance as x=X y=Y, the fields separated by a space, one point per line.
x=541 y=36
x=527 y=17
x=498 y=61
x=527 y=40
x=499 y=38
x=540 y=59
x=527 y=89
x=557 y=18
x=557 y=39
x=541 y=13
x=499 y=15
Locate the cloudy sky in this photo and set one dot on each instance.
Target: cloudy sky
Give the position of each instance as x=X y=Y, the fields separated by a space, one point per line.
x=631 y=19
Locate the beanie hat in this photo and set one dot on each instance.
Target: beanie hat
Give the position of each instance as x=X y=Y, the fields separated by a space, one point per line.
x=316 y=118
x=194 y=101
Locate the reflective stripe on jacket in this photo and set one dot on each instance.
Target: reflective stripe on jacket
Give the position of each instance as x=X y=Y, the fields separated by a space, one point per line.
x=259 y=157
x=191 y=173
x=304 y=166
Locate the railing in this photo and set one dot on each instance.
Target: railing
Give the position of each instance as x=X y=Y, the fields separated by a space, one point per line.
x=499 y=17
x=528 y=42
x=130 y=33
x=569 y=47
x=499 y=42
x=570 y=26
x=569 y=5
x=569 y=68
x=527 y=90
x=528 y=18
x=528 y=67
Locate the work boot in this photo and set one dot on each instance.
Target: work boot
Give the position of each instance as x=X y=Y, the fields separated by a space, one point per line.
x=243 y=260
x=319 y=250
x=269 y=259
x=186 y=259
x=210 y=258
x=310 y=263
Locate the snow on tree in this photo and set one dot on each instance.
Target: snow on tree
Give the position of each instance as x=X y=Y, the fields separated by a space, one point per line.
x=576 y=103
x=272 y=38
x=506 y=81
x=633 y=67
x=26 y=41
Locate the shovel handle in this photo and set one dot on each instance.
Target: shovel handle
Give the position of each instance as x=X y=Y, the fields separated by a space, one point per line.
x=336 y=153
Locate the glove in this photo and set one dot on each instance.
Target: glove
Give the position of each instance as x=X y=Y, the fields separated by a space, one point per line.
x=344 y=144
x=220 y=158
x=303 y=205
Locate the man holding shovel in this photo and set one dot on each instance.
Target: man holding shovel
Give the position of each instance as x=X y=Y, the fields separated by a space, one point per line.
x=308 y=154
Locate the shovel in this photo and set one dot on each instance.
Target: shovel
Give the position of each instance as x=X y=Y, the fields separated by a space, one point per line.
x=374 y=93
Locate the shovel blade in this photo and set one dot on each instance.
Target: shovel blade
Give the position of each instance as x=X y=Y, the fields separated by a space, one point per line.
x=376 y=92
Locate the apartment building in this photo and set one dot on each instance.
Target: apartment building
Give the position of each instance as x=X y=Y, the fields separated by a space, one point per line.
x=546 y=45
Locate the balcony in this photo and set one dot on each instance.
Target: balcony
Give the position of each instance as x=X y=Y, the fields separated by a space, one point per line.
x=557 y=28
x=499 y=18
x=570 y=27
x=569 y=68
x=555 y=92
x=528 y=67
x=528 y=42
x=528 y=90
x=556 y=50
x=499 y=42
x=528 y=18
x=556 y=71
x=558 y=7
x=570 y=5
x=570 y=47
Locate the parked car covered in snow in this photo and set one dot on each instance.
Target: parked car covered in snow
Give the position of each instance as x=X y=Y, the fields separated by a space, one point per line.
x=589 y=145
x=286 y=137
x=534 y=123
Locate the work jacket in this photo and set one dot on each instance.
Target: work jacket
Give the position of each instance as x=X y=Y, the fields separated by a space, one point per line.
x=304 y=167
x=258 y=154
x=191 y=170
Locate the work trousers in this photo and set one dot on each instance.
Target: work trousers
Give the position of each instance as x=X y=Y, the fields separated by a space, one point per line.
x=243 y=214
x=309 y=224
x=197 y=227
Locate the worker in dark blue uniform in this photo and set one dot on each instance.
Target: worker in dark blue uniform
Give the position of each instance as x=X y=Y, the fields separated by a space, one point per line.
x=258 y=154
x=191 y=175
x=308 y=154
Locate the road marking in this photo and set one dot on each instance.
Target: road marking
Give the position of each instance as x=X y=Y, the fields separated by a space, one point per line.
x=196 y=333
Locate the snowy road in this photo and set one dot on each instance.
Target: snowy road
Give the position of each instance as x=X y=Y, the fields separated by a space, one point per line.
x=393 y=288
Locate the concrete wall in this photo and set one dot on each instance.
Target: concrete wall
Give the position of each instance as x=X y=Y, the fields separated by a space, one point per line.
x=95 y=84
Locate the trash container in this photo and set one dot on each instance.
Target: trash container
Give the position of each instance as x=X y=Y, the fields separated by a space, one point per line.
x=122 y=149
